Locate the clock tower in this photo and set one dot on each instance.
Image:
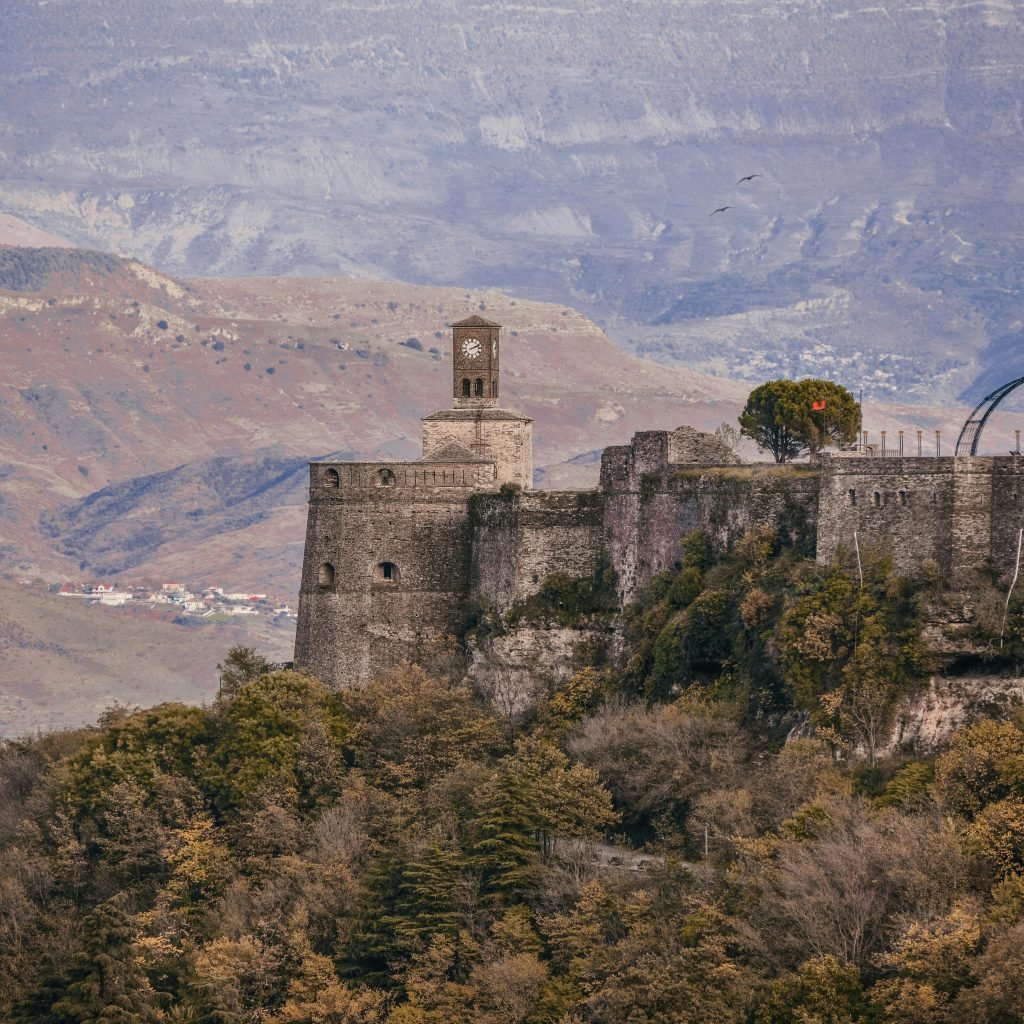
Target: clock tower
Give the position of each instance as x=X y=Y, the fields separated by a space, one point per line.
x=475 y=352
x=477 y=428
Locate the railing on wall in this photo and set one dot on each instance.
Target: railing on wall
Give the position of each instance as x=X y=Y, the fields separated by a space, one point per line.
x=906 y=447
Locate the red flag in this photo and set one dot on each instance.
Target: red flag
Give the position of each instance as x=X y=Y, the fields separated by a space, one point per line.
x=818 y=405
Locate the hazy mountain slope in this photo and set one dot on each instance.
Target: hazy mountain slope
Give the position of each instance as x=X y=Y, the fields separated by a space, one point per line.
x=570 y=152
x=64 y=662
x=164 y=427
x=14 y=231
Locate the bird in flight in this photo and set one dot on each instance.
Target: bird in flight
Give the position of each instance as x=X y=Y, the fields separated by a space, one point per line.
x=721 y=209
x=749 y=177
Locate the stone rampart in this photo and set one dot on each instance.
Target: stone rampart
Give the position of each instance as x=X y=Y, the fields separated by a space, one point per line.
x=386 y=566
x=519 y=540
x=394 y=550
x=902 y=505
x=962 y=514
x=651 y=504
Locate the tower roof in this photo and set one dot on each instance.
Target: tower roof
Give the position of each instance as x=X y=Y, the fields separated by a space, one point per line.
x=475 y=321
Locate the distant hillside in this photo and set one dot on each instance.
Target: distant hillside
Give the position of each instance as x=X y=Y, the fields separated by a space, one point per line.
x=571 y=152
x=164 y=426
x=14 y=231
x=62 y=662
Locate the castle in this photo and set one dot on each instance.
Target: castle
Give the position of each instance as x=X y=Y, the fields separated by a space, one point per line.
x=394 y=549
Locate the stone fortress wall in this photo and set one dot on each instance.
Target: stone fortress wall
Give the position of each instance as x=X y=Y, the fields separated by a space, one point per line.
x=395 y=550
x=964 y=514
x=386 y=563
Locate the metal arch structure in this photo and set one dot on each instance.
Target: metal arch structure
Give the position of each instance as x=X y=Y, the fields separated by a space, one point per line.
x=970 y=435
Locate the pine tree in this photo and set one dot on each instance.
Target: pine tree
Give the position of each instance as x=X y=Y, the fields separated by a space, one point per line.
x=426 y=902
x=105 y=985
x=506 y=851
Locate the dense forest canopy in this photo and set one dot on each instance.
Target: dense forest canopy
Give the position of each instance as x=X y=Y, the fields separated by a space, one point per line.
x=405 y=853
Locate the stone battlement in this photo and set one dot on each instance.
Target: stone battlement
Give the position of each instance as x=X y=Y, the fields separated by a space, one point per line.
x=339 y=479
x=961 y=513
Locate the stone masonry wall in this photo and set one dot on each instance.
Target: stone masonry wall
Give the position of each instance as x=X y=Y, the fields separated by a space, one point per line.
x=904 y=505
x=962 y=513
x=520 y=540
x=651 y=504
x=362 y=623
x=1007 y=512
x=494 y=434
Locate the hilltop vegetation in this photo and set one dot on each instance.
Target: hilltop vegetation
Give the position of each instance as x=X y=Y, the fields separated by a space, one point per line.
x=404 y=854
x=29 y=270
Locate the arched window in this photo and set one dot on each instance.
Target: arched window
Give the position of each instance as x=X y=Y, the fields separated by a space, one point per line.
x=465 y=387
x=386 y=478
x=479 y=387
x=326 y=575
x=494 y=389
x=853 y=496
x=386 y=572
x=903 y=498
x=877 y=498
x=331 y=478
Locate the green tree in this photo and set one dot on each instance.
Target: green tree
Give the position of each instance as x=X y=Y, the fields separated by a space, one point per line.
x=106 y=985
x=780 y=416
x=241 y=665
x=535 y=798
x=166 y=740
x=426 y=903
x=280 y=734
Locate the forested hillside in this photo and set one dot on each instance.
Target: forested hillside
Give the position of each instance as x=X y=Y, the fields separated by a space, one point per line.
x=645 y=845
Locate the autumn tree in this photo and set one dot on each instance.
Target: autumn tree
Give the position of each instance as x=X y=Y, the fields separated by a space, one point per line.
x=823 y=989
x=685 y=751
x=411 y=727
x=984 y=764
x=791 y=418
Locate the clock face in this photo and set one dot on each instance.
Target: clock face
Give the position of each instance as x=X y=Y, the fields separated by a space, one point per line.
x=471 y=348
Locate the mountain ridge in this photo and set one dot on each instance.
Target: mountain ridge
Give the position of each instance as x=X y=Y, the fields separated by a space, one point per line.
x=571 y=154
